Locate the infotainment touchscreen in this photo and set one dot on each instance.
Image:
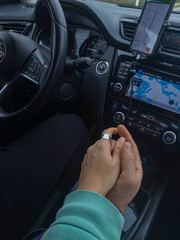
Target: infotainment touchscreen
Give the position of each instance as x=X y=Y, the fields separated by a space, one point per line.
x=156 y=90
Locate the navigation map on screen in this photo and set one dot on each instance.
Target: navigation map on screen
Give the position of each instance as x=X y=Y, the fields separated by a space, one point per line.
x=149 y=27
x=155 y=91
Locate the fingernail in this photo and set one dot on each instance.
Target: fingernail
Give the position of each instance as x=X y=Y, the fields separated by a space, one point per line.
x=121 y=140
x=128 y=146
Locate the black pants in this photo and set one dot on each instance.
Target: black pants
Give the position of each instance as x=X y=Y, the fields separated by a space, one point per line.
x=32 y=165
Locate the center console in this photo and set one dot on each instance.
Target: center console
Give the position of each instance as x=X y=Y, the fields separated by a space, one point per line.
x=147 y=102
x=154 y=115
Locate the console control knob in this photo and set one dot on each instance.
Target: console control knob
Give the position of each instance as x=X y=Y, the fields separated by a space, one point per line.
x=102 y=67
x=118 y=87
x=169 y=137
x=119 y=117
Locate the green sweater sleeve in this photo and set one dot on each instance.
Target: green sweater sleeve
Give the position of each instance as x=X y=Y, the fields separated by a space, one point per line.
x=86 y=215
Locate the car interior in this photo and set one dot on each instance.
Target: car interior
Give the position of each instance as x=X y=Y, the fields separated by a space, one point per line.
x=77 y=59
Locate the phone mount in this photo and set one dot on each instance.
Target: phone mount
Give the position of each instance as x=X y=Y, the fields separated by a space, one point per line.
x=166 y=23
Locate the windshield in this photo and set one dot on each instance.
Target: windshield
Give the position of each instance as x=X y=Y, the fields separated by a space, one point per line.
x=138 y=3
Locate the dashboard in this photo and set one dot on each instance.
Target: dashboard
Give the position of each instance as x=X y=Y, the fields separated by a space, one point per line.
x=147 y=102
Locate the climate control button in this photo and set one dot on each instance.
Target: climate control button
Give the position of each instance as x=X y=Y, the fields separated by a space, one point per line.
x=119 y=117
x=169 y=137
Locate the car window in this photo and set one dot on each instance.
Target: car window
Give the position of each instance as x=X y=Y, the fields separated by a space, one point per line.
x=138 y=3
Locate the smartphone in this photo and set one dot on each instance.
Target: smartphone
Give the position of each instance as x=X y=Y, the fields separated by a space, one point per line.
x=151 y=26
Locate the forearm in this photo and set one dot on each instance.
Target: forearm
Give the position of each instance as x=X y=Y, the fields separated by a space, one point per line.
x=86 y=215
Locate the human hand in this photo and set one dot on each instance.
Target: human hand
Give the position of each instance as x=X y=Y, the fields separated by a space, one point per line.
x=100 y=167
x=129 y=180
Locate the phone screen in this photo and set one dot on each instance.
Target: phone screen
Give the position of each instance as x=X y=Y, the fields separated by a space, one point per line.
x=150 y=25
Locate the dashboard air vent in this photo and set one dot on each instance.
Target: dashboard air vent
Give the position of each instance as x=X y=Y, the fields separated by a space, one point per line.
x=128 y=28
x=17 y=28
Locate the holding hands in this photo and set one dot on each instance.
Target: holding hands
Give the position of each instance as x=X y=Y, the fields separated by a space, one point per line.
x=113 y=168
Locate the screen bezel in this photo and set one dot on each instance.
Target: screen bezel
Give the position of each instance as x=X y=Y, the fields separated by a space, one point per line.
x=161 y=31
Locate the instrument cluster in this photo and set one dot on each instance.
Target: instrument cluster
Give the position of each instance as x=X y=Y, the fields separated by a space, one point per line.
x=86 y=43
x=82 y=42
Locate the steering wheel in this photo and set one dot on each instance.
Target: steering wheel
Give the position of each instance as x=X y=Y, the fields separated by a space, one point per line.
x=28 y=78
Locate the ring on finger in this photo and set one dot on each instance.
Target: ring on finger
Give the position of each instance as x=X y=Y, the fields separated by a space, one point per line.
x=105 y=136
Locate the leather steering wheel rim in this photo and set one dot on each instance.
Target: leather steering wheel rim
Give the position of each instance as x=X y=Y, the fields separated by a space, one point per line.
x=53 y=71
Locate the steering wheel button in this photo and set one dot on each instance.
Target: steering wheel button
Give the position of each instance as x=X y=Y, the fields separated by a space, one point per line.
x=29 y=68
x=38 y=69
x=26 y=73
x=30 y=75
x=32 y=65
x=33 y=77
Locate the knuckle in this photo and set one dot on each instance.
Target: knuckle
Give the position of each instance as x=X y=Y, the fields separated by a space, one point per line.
x=102 y=144
x=118 y=147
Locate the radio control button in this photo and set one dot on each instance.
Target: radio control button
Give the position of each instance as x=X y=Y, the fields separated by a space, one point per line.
x=169 y=137
x=121 y=77
x=121 y=69
x=119 y=117
x=123 y=64
x=121 y=73
x=118 y=87
x=127 y=69
x=126 y=73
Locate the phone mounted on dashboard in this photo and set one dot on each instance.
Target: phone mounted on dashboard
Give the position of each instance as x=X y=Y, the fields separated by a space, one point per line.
x=150 y=27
